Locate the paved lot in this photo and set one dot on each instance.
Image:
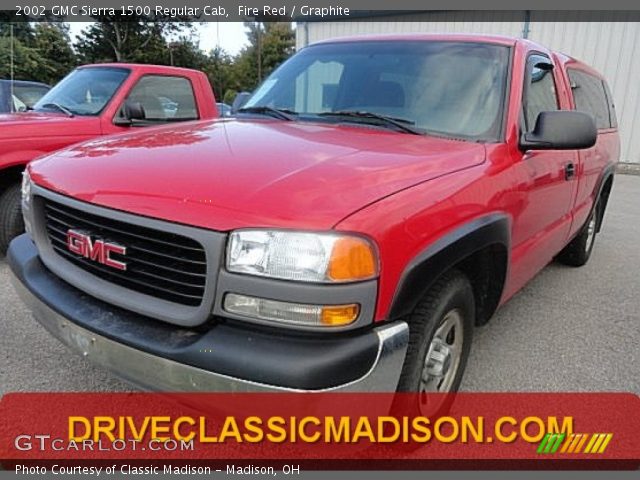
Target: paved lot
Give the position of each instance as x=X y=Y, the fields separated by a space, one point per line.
x=568 y=330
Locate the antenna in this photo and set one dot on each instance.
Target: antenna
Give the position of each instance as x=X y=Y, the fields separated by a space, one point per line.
x=218 y=74
x=13 y=105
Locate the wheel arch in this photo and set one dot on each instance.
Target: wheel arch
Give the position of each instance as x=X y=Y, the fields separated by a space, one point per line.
x=603 y=192
x=11 y=175
x=479 y=248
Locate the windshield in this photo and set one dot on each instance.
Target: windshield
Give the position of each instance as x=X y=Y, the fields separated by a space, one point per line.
x=84 y=91
x=452 y=88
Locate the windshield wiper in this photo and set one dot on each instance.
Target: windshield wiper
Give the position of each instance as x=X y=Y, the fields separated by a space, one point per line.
x=57 y=106
x=397 y=123
x=281 y=113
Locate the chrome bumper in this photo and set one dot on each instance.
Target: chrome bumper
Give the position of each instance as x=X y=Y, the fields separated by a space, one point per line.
x=152 y=372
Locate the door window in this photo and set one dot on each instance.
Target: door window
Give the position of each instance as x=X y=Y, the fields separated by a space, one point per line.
x=590 y=97
x=540 y=93
x=165 y=98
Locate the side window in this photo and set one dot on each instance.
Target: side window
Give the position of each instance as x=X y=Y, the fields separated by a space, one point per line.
x=613 y=120
x=165 y=98
x=590 y=97
x=540 y=93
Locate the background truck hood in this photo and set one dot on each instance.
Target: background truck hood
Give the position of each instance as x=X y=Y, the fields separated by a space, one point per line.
x=230 y=174
x=39 y=124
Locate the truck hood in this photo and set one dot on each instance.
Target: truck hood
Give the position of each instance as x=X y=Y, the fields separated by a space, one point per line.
x=41 y=124
x=229 y=174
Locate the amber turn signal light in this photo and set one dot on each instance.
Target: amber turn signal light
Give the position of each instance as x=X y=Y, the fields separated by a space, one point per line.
x=352 y=259
x=339 y=315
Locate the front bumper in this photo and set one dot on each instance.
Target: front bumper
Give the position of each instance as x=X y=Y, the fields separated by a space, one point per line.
x=226 y=357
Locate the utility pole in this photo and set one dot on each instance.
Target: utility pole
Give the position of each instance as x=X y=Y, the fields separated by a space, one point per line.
x=526 y=27
x=11 y=62
x=259 y=38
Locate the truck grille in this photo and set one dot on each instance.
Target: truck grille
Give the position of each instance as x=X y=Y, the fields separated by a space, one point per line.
x=161 y=264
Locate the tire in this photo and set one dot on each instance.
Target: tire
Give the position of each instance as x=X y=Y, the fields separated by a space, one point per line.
x=578 y=251
x=449 y=301
x=11 y=222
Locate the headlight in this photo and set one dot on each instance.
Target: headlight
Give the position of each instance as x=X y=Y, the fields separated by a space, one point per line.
x=26 y=189
x=26 y=202
x=302 y=256
x=292 y=313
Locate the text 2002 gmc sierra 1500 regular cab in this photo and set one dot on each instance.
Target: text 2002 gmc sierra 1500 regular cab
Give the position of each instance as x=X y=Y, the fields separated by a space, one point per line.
x=92 y=101
x=374 y=200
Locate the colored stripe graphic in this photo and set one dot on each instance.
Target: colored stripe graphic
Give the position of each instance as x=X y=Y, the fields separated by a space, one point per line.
x=551 y=442
x=574 y=443
x=606 y=442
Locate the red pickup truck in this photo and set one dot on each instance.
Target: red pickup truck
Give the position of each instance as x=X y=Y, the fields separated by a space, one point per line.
x=375 y=200
x=91 y=101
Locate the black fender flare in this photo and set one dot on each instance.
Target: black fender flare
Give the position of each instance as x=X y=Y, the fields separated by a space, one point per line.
x=449 y=250
x=607 y=173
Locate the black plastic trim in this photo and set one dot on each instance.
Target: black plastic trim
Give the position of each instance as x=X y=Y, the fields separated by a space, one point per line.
x=608 y=172
x=451 y=249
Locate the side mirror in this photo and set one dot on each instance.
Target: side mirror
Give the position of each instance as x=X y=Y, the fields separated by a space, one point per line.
x=561 y=130
x=240 y=100
x=130 y=112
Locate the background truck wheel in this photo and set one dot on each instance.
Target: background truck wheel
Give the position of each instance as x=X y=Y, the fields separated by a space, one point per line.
x=11 y=223
x=578 y=251
x=440 y=333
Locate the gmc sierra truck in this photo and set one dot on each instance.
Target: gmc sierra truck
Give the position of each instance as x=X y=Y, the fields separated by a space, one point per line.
x=374 y=200
x=91 y=101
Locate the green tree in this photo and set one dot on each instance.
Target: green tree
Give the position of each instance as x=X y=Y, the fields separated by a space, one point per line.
x=137 y=40
x=278 y=45
x=39 y=51
x=10 y=23
x=19 y=60
x=185 y=52
x=229 y=96
x=270 y=44
x=52 y=43
x=220 y=71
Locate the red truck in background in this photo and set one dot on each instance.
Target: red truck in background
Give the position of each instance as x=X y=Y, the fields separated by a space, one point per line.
x=373 y=202
x=91 y=101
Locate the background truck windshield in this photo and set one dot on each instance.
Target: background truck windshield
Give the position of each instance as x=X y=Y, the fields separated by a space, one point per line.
x=85 y=91
x=451 y=88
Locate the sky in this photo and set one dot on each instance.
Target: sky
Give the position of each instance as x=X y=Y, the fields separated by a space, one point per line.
x=228 y=35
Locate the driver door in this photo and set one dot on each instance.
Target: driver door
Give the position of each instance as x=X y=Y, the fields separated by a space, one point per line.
x=163 y=98
x=548 y=178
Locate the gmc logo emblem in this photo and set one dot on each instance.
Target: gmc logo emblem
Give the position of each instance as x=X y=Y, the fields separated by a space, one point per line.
x=98 y=250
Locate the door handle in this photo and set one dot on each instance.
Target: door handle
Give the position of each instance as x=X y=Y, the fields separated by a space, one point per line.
x=569 y=171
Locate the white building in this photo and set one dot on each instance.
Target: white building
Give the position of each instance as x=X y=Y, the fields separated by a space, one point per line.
x=613 y=48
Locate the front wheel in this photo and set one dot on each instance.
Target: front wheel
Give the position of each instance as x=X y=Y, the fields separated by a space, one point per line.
x=440 y=334
x=11 y=222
